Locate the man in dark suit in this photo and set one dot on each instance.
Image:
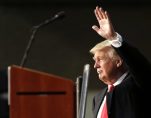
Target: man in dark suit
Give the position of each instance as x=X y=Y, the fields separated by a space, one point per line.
x=123 y=66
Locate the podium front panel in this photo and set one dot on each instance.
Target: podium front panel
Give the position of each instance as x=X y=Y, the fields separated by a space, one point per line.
x=35 y=94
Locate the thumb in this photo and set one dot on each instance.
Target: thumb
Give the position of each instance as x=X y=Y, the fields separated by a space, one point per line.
x=95 y=28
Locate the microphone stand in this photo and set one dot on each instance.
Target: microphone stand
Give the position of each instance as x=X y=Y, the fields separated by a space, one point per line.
x=32 y=37
x=59 y=15
x=78 y=94
x=83 y=95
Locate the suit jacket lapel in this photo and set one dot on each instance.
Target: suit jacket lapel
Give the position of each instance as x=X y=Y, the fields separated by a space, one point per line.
x=99 y=100
x=109 y=101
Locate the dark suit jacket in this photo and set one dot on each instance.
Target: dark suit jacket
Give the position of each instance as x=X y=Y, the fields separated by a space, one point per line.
x=131 y=98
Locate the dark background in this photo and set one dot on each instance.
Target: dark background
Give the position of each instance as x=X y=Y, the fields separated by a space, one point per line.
x=62 y=47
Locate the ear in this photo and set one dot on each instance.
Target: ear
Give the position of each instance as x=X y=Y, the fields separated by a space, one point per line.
x=119 y=62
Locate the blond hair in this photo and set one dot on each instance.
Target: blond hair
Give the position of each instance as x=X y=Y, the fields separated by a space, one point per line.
x=100 y=46
x=106 y=44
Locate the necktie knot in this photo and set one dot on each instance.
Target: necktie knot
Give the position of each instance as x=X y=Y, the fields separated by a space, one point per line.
x=110 y=88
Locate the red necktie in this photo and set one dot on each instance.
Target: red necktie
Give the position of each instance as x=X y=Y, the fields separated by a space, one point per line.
x=111 y=87
x=104 y=113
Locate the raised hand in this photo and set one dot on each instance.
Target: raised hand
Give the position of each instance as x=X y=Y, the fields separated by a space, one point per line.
x=105 y=28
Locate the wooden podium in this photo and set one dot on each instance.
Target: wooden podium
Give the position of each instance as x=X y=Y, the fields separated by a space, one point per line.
x=35 y=94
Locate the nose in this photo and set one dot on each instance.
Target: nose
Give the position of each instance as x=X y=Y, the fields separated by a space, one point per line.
x=96 y=65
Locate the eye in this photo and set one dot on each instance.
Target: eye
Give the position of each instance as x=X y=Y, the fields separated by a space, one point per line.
x=99 y=60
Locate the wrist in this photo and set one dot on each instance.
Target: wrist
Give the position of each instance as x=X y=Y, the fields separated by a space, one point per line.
x=116 y=41
x=113 y=36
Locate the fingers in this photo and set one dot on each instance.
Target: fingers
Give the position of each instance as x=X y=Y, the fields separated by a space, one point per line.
x=107 y=15
x=97 y=15
x=100 y=13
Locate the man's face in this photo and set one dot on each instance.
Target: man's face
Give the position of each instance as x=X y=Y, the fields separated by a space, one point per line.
x=104 y=65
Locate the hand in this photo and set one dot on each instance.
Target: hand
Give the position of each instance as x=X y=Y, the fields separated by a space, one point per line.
x=105 y=28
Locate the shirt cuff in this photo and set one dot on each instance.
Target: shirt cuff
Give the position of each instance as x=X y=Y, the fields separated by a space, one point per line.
x=116 y=41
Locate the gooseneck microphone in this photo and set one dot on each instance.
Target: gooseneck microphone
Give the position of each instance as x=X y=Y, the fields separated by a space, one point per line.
x=57 y=16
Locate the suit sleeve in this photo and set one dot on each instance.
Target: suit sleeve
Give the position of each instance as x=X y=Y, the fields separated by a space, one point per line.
x=138 y=65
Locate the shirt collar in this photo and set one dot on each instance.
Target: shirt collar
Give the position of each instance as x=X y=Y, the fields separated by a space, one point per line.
x=120 y=79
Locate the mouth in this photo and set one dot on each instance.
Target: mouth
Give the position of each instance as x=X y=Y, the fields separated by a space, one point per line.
x=99 y=71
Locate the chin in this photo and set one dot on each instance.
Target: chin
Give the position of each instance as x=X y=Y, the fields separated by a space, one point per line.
x=100 y=77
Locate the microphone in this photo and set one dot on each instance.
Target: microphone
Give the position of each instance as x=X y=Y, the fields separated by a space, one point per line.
x=57 y=16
